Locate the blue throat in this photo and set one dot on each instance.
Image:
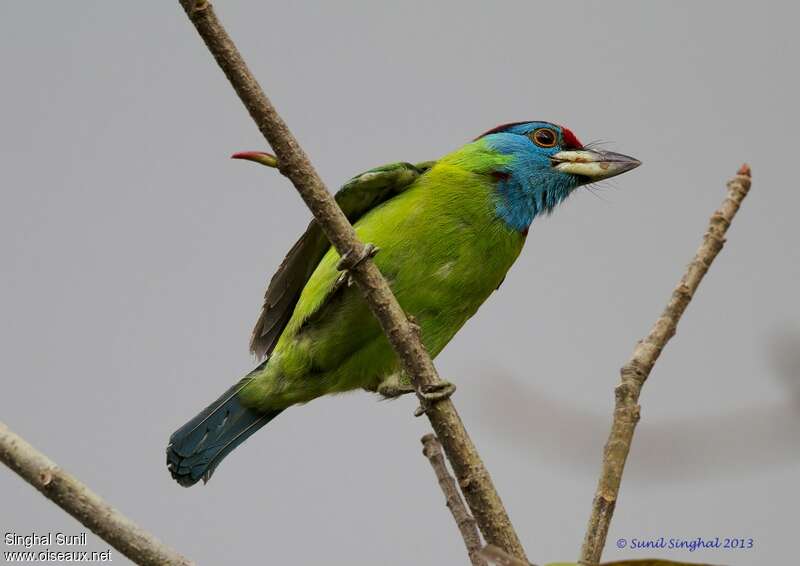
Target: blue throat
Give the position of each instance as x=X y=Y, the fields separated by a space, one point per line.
x=527 y=186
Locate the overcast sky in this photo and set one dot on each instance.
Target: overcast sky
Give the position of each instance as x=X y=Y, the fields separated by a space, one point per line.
x=135 y=254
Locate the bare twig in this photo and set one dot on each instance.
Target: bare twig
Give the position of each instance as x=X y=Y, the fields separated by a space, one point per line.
x=472 y=475
x=82 y=503
x=634 y=373
x=466 y=523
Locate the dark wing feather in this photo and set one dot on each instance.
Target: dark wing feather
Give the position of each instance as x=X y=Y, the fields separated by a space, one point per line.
x=357 y=197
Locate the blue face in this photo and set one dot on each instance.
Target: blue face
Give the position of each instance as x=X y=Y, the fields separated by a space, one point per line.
x=529 y=185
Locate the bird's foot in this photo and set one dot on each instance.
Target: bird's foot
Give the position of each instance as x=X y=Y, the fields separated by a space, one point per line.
x=350 y=260
x=433 y=394
x=391 y=389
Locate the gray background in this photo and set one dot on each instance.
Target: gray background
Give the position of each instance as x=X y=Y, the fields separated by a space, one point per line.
x=134 y=255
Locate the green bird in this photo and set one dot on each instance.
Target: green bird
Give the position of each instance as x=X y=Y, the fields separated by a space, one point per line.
x=447 y=231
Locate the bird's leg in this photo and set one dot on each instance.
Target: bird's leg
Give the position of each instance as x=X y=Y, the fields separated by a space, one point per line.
x=398 y=383
x=350 y=260
x=432 y=394
x=395 y=385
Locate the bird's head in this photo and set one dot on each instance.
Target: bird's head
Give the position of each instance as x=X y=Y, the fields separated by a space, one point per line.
x=536 y=165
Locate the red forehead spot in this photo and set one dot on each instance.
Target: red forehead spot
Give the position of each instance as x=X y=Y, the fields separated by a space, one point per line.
x=571 y=141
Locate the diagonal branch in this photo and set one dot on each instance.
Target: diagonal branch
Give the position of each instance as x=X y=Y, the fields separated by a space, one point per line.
x=432 y=450
x=82 y=503
x=634 y=373
x=474 y=479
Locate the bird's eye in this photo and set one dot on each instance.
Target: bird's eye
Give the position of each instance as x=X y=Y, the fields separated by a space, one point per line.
x=544 y=137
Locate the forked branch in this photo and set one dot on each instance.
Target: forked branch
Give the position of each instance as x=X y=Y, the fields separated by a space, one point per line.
x=432 y=450
x=634 y=373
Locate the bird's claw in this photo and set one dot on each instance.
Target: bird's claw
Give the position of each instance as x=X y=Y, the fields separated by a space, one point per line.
x=433 y=394
x=349 y=260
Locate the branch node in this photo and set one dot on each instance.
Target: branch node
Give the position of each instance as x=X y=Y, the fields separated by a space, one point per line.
x=351 y=260
x=198 y=6
x=744 y=171
x=413 y=325
x=632 y=375
x=45 y=477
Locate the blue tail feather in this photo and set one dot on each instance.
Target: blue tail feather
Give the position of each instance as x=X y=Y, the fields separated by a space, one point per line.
x=197 y=448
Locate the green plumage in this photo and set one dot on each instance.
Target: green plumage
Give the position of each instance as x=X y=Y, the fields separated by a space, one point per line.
x=443 y=250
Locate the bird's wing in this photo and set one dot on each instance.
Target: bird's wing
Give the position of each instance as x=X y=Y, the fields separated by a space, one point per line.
x=357 y=197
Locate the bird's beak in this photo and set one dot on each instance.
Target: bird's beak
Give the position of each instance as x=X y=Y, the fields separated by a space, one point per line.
x=261 y=157
x=593 y=165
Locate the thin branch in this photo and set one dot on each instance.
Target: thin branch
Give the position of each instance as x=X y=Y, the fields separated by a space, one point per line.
x=472 y=475
x=78 y=500
x=465 y=522
x=634 y=373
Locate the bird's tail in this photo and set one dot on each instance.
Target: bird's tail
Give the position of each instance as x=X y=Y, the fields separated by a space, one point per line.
x=197 y=448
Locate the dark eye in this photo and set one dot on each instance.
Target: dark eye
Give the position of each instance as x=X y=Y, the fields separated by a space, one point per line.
x=544 y=137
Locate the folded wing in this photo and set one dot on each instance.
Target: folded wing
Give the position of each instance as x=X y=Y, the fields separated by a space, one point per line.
x=357 y=197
